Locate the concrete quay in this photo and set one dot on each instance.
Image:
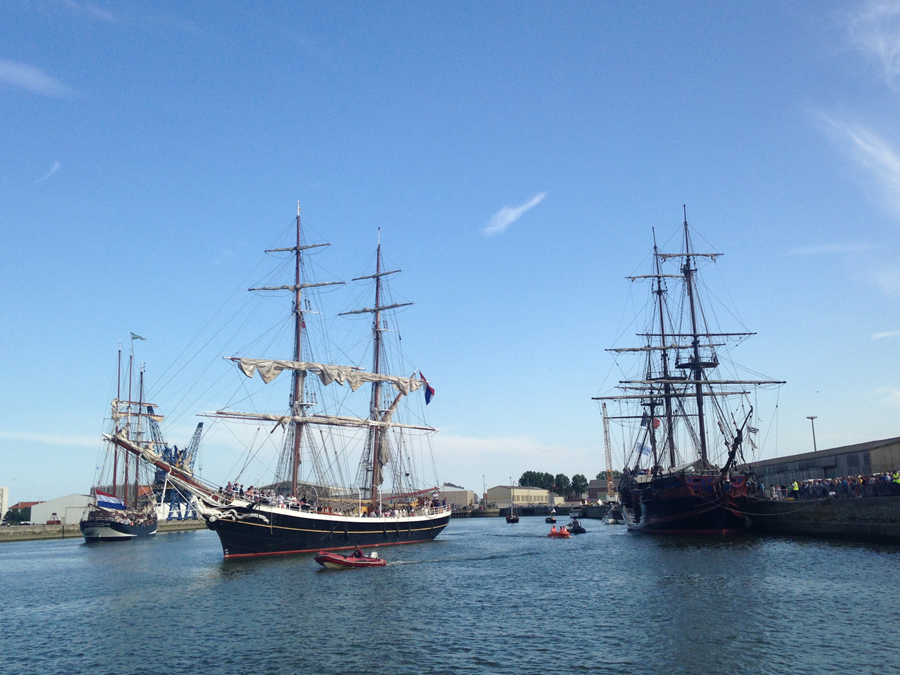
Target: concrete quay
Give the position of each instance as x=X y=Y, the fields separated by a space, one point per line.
x=72 y=530
x=867 y=518
x=476 y=513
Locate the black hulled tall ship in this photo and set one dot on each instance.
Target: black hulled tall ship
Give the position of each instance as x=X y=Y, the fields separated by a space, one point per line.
x=350 y=470
x=686 y=407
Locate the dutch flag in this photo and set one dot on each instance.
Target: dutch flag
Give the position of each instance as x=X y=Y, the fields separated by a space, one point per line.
x=105 y=501
x=429 y=390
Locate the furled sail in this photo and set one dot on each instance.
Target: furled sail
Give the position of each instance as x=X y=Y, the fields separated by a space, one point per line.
x=270 y=369
x=325 y=420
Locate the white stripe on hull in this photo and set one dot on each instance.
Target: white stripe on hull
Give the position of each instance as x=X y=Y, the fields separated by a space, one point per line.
x=106 y=533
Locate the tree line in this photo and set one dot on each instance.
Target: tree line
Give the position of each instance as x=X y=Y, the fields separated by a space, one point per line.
x=560 y=483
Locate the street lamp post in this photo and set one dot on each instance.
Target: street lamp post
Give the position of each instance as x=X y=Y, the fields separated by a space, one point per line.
x=812 y=420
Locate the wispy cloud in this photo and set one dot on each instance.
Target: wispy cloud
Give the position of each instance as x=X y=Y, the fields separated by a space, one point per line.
x=821 y=249
x=50 y=439
x=53 y=169
x=888 y=280
x=510 y=214
x=872 y=152
x=33 y=79
x=885 y=334
x=875 y=31
x=889 y=395
x=91 y=10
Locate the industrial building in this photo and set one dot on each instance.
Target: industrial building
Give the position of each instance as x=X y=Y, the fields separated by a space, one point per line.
x=68 y=509
x=850 y=460
x=458 y=497
x=597 y=490
x=505 y=495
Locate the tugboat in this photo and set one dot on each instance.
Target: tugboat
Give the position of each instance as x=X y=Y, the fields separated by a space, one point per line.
x=688 y=473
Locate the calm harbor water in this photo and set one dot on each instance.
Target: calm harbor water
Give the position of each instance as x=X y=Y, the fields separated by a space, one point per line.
x=486 y=597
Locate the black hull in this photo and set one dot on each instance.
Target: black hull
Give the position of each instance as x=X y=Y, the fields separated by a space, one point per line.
x=247 y=533
x=687 y=505
x=107 y=529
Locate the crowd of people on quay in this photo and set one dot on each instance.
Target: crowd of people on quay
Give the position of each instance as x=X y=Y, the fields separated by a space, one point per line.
x=270 y=497
x=846 y=487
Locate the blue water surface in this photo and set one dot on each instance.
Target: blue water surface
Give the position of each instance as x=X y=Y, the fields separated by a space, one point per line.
x=486 y=597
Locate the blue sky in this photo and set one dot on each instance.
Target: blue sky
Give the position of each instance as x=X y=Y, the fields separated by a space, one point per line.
x=515 y=156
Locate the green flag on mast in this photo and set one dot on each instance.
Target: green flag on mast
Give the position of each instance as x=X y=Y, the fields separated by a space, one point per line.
x=135 y=336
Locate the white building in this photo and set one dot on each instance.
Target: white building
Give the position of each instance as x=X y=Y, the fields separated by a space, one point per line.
x=4 y=501
x=68 y=509
x=458 y=497
x=503 y=495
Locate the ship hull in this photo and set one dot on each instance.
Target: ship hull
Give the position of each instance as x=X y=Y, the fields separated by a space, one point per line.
x=263 y=531
x=679 y=504
x=107 y=529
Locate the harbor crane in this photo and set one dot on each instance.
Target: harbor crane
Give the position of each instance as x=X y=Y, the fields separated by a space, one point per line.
x=180 y=459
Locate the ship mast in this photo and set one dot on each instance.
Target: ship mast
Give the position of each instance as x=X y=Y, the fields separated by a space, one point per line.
x=379 y=418
x=689 y=380
x=116 y=410
x=128 y=419
x=375 y=403
x=696 y=365
x=298 y=378
x=667 y=387
x=297 y=403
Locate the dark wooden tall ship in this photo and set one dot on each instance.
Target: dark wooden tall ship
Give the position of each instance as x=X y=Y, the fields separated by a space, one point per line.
x=690 y=422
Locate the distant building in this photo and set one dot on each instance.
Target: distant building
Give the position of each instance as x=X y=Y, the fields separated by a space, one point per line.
x=850 y=460
x=68 y=509
x=458 y=497
x=4 y=501
x=504 y=495
x=597 y=490
x=23 y=508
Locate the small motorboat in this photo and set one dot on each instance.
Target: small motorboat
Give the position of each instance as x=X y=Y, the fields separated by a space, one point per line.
x=549 y=519
x=614 y=515
x=336 y=561
x=561 y=533
x=575 y=527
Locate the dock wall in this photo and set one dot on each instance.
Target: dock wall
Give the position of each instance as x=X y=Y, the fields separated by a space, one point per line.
x=70 y=531
x=871 y=519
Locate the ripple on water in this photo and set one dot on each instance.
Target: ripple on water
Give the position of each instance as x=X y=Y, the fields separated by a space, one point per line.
x=485 y=597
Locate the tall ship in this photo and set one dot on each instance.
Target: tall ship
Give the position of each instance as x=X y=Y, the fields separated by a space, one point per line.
x=122 y=504
x=350 y=472
x=686 y=411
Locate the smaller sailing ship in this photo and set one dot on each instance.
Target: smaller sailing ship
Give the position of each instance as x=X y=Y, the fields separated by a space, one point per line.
x=512 y=517
x=686 y=472
x=123 y=506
